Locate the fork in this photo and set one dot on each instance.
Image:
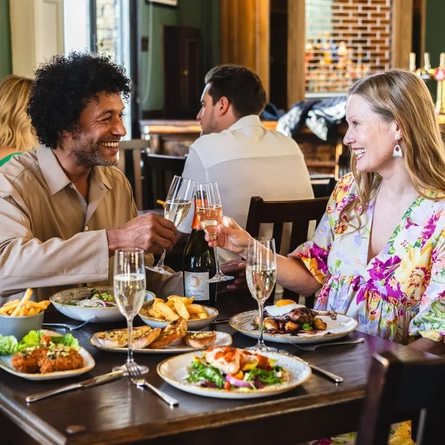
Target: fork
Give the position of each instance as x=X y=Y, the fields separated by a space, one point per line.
x=70 y=327
x=320 y=345
x=137 y=379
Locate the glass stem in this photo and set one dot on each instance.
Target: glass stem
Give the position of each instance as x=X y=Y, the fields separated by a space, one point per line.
x=130 y=340
x=161 y=260
x=218 y=270
x=260 y=322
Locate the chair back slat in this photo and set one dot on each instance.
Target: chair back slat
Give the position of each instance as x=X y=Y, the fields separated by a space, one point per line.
x=130 y=157
x=299 y=213
x=403 y=390
x=159 y=171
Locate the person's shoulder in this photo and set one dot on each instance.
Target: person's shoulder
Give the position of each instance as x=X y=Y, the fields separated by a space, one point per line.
x=20 y=167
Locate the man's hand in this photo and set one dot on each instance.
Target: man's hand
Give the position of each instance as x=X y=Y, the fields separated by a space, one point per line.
x=236 y=269
x=144 y=232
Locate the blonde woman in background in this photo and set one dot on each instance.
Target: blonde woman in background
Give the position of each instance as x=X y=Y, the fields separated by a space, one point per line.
x=16 y=132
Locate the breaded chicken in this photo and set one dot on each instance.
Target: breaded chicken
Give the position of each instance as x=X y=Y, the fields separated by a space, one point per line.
x=27 y=361
x=60 y=358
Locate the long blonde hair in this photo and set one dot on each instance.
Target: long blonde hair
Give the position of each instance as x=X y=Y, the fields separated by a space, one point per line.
x=15 y=126
x=402 y=96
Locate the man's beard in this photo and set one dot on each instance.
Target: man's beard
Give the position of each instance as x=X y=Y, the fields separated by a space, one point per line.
x=87 y=154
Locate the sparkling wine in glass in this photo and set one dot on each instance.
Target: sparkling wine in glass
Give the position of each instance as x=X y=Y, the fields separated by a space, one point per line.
x=177 y=205
x=210 y=215
x=261 y=272
x=129 y=291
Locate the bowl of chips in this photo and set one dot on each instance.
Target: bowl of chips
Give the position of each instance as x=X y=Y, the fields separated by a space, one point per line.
x=159 y=313
x=19 y=316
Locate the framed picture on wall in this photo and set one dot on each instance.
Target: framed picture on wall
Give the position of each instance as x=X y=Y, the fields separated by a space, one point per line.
x=164 y=2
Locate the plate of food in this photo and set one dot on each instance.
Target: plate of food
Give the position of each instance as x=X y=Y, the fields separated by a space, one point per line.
x=159 y=313
x=90 y=303
x=232 y=373
x=287 y=321
x=44 y=355
x=172 y=339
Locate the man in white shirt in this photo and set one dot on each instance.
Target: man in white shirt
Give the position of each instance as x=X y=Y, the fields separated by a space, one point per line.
x=238 y=152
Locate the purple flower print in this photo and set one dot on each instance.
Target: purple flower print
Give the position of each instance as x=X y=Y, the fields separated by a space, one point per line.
x=429 y=228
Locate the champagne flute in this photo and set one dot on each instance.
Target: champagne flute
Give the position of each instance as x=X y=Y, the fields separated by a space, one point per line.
x=261 y=271
x=210 y=214
x=129 y=292
x=176 y=208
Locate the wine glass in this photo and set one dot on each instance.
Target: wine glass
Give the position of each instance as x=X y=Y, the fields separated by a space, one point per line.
x=210 y=214
x=176 y=208
x=261 y=271
x=129 y=291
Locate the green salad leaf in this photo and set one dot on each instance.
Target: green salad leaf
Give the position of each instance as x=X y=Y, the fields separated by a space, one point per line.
x=9 y=344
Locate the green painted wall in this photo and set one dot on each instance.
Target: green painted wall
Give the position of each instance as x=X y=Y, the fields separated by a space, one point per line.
x=5 y=40
x=434 y=38
x=202 y=14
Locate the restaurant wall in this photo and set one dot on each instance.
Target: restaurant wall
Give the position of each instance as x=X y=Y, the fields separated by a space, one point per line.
x=202 y=14
x=434 y=39
x=5 y=40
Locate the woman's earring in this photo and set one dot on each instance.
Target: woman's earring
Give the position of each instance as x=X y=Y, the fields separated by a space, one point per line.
x=397 y=152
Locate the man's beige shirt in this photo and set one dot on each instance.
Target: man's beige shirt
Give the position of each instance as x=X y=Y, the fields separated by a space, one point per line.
x=50 y=237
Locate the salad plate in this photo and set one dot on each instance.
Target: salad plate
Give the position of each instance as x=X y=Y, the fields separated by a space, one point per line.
x=336 y=329
x=222 y=339
x=88 y=364
x=174 y=371
x=76 y=303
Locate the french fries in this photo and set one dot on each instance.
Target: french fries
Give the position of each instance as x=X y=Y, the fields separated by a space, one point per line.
x=23 y=307
x=175 y=307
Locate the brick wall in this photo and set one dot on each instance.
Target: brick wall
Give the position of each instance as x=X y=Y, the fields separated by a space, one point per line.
x=346 y=40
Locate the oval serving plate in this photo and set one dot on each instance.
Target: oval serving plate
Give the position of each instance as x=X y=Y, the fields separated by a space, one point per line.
x=222 y=339
x=174 y=372
x=336 y=329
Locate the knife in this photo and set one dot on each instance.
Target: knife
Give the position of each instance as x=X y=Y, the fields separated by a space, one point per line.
x=85 y=384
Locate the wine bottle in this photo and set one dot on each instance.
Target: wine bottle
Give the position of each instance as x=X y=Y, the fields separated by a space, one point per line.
x=199 y=264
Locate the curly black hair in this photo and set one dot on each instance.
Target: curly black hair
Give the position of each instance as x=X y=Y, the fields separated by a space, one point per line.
x=64 y=86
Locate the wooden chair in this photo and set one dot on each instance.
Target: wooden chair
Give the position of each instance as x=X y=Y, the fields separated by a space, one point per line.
x=300 y=213
x=403 y=390
x=130 y=158
x=158 y=172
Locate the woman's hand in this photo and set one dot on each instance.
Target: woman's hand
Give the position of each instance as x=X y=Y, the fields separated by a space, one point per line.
x=230 y=237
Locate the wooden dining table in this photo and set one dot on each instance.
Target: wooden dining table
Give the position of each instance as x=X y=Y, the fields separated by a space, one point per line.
x=118 y=412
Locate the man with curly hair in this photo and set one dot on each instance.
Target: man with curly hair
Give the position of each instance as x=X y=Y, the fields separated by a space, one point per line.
x=65 y=208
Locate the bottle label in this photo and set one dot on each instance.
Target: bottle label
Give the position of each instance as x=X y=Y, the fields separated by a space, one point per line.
x=195 y=285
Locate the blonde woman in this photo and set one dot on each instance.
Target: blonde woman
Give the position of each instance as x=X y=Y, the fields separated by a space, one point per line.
x=378 y=254
x=16 y=133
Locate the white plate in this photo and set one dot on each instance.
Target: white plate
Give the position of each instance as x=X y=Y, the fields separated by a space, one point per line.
x=88 y=361
x=192 y=325
x=338 y=328
x=222 y=339
x=62 y=300
x=174 y=371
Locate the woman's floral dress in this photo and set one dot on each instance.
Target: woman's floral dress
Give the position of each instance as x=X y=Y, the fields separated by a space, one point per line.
x=400 y=293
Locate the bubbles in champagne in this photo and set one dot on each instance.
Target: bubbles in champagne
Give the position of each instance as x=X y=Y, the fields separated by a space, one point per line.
x=129 y=292
x=176 y=211
x=261 y=281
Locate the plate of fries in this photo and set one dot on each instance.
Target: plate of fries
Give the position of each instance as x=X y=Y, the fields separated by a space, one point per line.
x=160 y=313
